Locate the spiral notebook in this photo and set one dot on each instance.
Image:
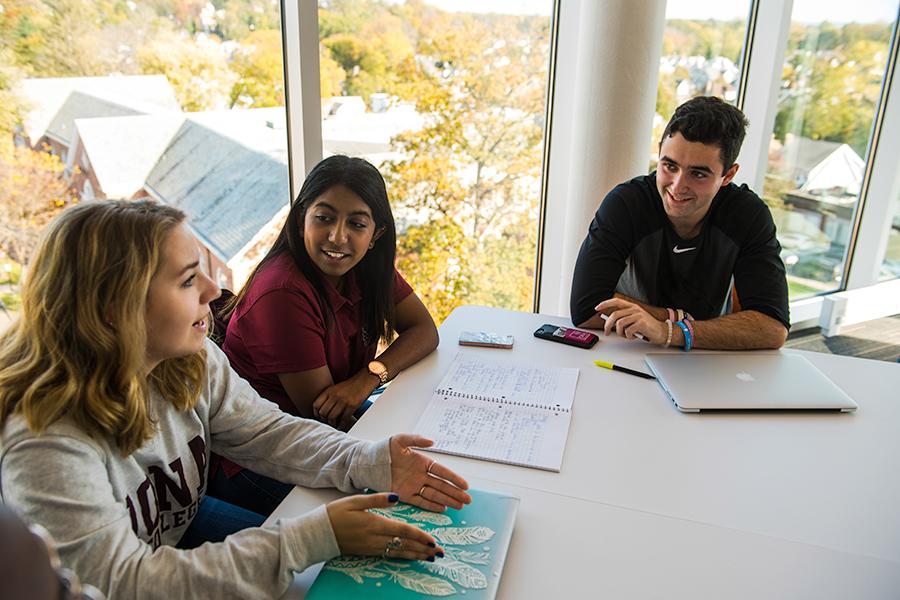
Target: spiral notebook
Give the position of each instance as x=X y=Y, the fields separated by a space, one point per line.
x=502 y=412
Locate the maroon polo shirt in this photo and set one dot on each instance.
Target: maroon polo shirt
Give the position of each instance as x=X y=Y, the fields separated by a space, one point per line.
x=280 y=327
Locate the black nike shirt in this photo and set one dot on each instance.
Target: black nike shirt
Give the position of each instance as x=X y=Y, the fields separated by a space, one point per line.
x=632 y=248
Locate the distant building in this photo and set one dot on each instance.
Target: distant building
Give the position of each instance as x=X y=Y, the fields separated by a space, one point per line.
x=56 y=102
x=828 y=177
x=116 y=154
x=228 y=170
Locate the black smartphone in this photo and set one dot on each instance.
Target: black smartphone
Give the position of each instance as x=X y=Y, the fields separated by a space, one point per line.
x=566 y=335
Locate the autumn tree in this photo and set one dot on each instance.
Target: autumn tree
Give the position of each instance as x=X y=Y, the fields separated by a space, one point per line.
x=33 y=190
x=259 y=68
x=477 y=161
x=370 y=44
x=12 y=107
x=196 y=68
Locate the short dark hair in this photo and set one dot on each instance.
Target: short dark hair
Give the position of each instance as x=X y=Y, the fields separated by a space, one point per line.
x=710 y=120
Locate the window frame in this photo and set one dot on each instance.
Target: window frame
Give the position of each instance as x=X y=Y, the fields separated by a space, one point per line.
x=761 y=65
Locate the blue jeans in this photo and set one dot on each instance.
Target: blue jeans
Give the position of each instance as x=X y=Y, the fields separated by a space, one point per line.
x=248 y=490
x=215 y=520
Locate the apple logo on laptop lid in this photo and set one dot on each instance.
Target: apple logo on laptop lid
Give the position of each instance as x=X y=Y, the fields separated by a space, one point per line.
x=744 y=376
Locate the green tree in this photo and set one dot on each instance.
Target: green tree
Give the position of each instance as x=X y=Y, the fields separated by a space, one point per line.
x=238 y=19
x=832 y=82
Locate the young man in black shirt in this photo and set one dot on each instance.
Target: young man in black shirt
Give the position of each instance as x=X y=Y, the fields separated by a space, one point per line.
x=682 y=256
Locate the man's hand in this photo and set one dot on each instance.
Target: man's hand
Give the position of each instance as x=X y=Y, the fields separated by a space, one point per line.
x=627 y=319
x=337 y=403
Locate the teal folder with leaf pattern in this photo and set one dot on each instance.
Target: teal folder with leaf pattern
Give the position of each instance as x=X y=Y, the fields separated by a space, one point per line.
x=475 y=540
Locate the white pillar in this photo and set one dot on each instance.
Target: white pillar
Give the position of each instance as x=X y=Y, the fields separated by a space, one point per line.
x=604 y=100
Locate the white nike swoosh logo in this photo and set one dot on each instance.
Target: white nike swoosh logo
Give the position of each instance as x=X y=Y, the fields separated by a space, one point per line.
x=678 y=250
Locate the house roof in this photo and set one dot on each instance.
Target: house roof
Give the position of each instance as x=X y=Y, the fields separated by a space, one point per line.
x=123 y=150
x=228 y=170
x=52 y=111
x=840 y=170
x=805 y=153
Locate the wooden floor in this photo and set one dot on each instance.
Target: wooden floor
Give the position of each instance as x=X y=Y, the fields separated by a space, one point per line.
x=878 y=339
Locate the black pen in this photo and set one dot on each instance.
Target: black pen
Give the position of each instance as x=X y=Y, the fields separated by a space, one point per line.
x=609 y=365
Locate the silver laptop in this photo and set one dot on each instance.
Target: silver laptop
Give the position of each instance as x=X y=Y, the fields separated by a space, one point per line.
x=741 y=380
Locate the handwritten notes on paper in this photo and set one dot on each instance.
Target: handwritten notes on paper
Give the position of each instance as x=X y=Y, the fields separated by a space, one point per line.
x=502 y=412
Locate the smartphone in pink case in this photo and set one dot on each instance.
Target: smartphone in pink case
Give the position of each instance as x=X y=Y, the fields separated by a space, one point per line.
x=567 y=335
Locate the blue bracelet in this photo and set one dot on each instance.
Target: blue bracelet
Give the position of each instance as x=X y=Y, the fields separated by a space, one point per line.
x=687 y=335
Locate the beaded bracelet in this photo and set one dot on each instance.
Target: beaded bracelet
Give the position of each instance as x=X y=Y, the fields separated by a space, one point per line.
x=690 y=327
x=671 y=313
x=687 y=335
x=680 y=315
x=669 y=334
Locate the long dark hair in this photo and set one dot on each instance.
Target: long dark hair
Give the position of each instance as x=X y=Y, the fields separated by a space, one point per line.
x=374 y=273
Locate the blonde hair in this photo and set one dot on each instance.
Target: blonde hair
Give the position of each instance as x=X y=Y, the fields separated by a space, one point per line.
x=78 y=349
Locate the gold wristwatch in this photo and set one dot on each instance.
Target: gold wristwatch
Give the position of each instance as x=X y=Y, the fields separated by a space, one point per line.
x=380 y=371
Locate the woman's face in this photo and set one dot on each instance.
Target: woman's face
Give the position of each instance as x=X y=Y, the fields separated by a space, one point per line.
x=338 y=230
x=178 y=300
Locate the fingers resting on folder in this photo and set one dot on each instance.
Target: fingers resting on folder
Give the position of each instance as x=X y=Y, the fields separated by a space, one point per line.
x=422 y=481
x=363 y=533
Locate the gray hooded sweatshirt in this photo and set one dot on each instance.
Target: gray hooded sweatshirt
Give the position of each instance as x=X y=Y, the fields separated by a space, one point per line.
x=116 y=518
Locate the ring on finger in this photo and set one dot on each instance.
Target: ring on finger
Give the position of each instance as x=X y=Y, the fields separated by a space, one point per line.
x=430 y=466
x=422 y=491
x=394 y=544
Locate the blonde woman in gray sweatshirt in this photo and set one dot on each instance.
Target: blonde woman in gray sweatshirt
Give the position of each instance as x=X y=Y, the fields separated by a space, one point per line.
x=112 y=398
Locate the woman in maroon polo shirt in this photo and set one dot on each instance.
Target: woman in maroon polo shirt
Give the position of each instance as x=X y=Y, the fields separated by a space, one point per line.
x=304 y=329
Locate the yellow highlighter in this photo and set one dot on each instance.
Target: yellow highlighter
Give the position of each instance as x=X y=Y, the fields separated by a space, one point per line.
x=612 y=367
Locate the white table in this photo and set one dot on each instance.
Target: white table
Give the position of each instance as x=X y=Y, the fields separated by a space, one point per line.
x=652 y=503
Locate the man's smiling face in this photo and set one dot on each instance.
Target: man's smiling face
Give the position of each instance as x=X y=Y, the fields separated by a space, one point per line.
x=688 y=177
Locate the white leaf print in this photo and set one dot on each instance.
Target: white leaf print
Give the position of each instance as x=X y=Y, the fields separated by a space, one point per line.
x=372 y=574
x=475 y=558
x=423 y=584
x=463 y=574
x=463 y=536
x=429 y=517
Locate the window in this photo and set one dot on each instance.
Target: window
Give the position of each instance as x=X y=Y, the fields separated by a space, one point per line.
x=890 y=268
x=700 y=56
x=832 y=76
x=450 y=106
x=181 y=102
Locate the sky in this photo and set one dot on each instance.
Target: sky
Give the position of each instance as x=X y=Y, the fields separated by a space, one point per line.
x=805 y=11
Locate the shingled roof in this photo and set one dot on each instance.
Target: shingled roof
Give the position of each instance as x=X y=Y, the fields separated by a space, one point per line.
x=228 y=170
x=123 y=150
x=57 y=101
